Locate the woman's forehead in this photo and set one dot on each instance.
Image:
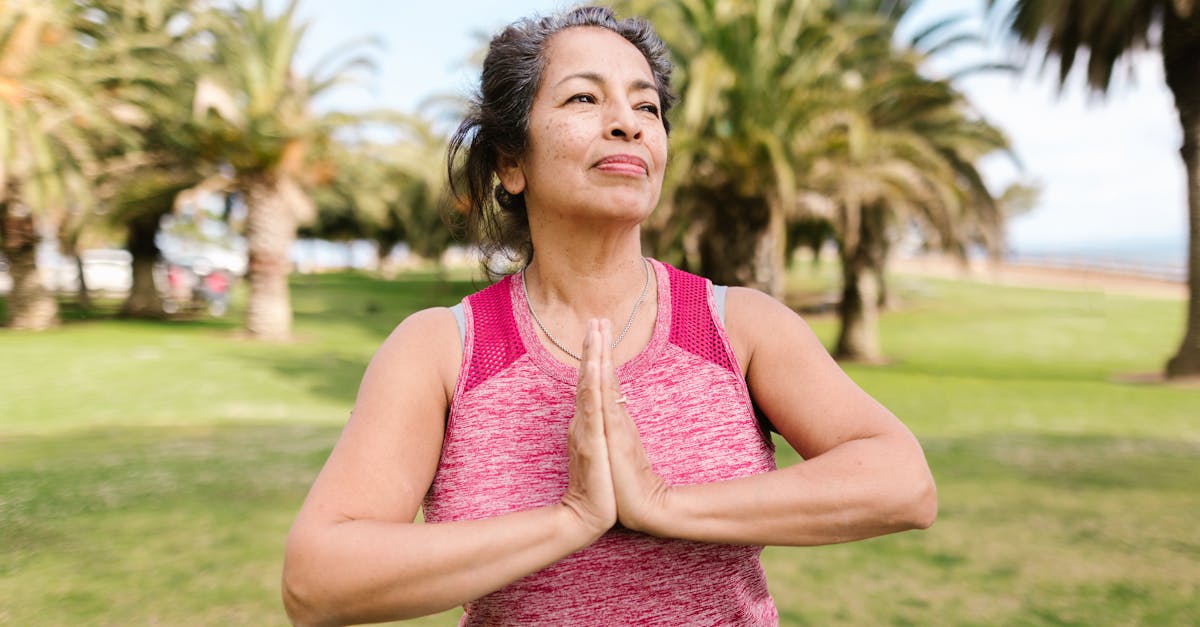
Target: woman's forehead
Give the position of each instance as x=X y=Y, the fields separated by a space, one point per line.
x=590 y=53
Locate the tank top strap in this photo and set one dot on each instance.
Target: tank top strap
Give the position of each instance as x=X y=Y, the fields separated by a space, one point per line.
x=492 y=341
x=694 y=320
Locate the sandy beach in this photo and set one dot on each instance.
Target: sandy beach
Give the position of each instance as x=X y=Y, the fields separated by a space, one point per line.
x=1029 y=275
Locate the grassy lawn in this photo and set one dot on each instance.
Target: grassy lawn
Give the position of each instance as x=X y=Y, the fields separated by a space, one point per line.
x=149 y=471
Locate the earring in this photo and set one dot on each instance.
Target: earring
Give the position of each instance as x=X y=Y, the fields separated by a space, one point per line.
x=502 y=196
x=506 y=200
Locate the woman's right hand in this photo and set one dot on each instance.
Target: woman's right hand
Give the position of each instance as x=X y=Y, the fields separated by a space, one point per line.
x=590 y=495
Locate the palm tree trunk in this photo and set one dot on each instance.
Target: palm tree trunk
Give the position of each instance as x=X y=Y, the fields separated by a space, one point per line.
x=1186 y=361
x=743 y=244
x=770 y=258
x=144 y=300
x=30 y=305
x=858 y=339
x=884 y=294
x=270 y=233
x=862 y=267
x=383 y=250
x=83 y=295
x=1181 y=49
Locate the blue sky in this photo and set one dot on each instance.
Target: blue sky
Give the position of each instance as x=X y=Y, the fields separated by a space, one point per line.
x=1109 y=167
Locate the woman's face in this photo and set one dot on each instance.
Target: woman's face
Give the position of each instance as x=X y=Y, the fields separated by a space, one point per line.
x=597 y=145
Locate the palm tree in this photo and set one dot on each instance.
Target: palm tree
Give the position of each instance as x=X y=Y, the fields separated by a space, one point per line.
x=904 y=159
x=418 y=159
x=152 y=48
x=751 y=76
x=258 y=115
x=389 y=192
x=52 y=116
x=1109 y=32
x=793 y=111
x=898 y=153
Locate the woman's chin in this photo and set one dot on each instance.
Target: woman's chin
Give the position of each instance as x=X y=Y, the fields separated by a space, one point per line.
x=627 y=206
x=624 y=214
x=608 y=209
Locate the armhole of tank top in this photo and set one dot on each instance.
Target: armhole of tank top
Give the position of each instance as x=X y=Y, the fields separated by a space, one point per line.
x=719 y=301
x=461 y=318
x=764 y=423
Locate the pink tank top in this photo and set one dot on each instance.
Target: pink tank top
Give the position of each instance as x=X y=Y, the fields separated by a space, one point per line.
x=505 y=451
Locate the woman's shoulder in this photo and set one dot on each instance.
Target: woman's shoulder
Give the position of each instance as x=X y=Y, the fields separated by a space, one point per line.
x=754 y=319
x=754 y=299
x=425 y=342
x=748 y=310
x=430 y=329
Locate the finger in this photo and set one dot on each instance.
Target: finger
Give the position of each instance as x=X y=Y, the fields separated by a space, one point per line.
x=588 y=355
x=612 y=389
x=586 y=352
x=618 y=427
x=605 y=343
x=591 y=347
x=592 y=382
x=609 y=385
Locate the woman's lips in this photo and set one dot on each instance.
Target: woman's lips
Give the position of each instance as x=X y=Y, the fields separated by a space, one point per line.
x=623 y=164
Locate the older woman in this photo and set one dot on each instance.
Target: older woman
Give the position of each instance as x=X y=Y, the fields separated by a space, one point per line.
x=572 y=469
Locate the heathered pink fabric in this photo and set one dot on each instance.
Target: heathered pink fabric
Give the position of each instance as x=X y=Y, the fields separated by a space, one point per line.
x=505 y=451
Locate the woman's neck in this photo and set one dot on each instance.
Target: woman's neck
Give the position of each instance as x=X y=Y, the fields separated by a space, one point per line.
x=582 y=273
x=594 y=270
x=597 y=281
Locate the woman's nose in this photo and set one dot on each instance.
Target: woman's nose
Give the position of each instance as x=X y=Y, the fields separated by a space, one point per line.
x=623 y=123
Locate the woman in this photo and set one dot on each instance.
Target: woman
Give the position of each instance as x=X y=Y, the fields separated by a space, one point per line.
x=572 y=470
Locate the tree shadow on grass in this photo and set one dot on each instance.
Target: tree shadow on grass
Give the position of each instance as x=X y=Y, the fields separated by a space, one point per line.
x=1007 y=369
x=329 y=374
x=342 y=318
x=49 y=476
x=1083 y=461
x=108 y=310
x=375 y=305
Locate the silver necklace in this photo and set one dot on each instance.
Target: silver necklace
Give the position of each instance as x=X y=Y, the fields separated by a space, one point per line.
x=554 y=340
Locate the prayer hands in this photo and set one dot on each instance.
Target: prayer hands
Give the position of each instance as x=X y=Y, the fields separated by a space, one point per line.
x=590 y=493
x=611 y=479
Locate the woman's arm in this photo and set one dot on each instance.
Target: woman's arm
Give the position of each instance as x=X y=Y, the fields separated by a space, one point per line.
x=864 y=473
x=354 y=553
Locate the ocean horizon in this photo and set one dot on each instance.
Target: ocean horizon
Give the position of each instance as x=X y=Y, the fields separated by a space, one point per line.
x=1155 y=257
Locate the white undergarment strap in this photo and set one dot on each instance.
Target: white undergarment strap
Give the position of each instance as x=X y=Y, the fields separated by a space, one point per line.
x=461 y=318
x=719 y=300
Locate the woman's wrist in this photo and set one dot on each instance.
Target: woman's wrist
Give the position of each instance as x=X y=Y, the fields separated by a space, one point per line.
x=660 y=518
x=577 y=530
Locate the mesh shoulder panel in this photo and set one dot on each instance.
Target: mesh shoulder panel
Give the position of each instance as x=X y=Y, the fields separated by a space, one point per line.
x=496 y=341
x=692 y=325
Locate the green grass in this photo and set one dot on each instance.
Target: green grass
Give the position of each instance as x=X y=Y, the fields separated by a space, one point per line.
x=149 y=471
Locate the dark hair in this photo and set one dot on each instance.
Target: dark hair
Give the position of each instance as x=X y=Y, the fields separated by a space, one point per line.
x=497 y=123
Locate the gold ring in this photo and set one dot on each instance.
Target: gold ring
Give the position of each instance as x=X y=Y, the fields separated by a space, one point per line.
x=621 y=401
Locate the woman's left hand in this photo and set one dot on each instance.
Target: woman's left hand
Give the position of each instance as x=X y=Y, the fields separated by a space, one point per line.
x=641 y=494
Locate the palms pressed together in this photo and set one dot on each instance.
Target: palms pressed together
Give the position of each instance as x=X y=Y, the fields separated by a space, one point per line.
x=611 y=479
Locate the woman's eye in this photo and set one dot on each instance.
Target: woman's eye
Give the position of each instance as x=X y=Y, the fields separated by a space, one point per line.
x=649 y=108
x=581 y=98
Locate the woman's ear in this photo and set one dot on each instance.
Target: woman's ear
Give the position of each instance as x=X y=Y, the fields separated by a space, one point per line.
x=512 y=177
